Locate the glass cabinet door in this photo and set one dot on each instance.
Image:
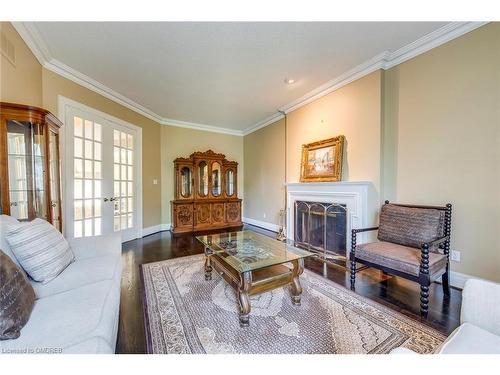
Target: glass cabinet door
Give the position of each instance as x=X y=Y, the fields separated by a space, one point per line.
x=26 y=168
x=186 y=182
x=216 y=179
x=203 y=179
x=230 y=182
x=55 y=199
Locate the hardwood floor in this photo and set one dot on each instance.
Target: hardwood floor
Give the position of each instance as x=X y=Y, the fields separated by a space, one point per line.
x=399 y=294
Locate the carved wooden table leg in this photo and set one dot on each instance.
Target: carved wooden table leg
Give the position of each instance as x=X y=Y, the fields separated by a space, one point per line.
x=296 y=288
x=244 y=299
x=208 y=266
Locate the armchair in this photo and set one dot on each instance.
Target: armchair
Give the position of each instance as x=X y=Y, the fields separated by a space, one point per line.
x=479 y=330
x=414 y=243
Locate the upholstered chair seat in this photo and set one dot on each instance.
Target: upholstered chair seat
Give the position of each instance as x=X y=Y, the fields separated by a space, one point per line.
x=398 y=257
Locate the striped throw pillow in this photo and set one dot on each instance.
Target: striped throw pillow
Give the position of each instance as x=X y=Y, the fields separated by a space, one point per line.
x=40 y=248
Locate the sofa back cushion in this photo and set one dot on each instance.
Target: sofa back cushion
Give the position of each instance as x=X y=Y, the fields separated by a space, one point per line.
x=40 y=248
x=5 y=222
x=410 y=226
x=17 y=298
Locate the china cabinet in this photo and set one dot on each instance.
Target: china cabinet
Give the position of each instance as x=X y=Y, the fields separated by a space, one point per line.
x=206 y=194
x=30 y=164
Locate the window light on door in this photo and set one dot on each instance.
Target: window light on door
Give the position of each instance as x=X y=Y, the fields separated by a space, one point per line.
x=87 y=178
x=123 y=184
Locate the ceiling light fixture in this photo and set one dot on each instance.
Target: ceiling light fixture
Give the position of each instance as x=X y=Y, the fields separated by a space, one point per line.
x=289 y=81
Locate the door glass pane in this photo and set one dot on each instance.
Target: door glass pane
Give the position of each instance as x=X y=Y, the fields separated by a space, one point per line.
x=230 y=182
x=186 y=182
x=203 y=176
x=216 y=179
x=87 y=178
x=123 y=211
x=26 y=168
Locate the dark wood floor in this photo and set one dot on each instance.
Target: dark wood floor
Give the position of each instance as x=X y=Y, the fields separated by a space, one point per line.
x=397 y=293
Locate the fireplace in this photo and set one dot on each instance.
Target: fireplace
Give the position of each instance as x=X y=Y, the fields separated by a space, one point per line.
x=320 y=216
x=322 y=228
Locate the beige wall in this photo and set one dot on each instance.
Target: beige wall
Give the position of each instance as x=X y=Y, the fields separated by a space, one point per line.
x=22 y=82
x=264 y=152
x=54 y=85
x=445 y=107
x=180 y=142
x=353 y=111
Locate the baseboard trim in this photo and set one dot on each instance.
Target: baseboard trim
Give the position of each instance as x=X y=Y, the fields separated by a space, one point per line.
x=457 y=279
x=155 y=229
x=261 y=224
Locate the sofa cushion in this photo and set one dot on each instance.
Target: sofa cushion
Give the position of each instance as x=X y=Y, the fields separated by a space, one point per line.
x=5 y=223
x=95 y=345
x=40 y=249
x=67 y=319
x=397 y=257
x=90 y=247
x=79 y=273
x=470 y=339
x=410 y=226
x=17 y=298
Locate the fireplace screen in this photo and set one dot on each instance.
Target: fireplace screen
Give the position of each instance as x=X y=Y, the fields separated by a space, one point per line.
x=322 y=228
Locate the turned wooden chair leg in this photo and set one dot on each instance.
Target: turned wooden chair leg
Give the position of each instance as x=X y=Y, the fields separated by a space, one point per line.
x=424 y=300
x=446 y=283
x=353 y=274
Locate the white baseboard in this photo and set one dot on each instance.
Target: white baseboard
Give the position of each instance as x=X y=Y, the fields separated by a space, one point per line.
x=155 y=229
x=261 y=224
x=458 y=279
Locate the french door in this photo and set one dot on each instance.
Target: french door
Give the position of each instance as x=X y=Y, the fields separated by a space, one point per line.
x=102 y=176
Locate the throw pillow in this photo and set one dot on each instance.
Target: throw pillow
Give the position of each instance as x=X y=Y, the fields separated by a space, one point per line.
x=40 y=248
x=5 y=222
x=17 y=298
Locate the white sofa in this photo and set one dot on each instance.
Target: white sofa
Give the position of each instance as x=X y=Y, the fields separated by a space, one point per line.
x=479 y=331
x=77 y=312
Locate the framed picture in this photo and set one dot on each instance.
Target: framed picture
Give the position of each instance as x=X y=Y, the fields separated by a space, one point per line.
x=322 y=161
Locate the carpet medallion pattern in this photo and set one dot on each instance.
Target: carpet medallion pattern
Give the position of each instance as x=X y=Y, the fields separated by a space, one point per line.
x=186 y=314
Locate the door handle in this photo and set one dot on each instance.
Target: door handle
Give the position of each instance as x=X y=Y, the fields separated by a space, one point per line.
x=106 y=199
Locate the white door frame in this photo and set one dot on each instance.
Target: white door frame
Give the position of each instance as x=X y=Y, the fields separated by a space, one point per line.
x=63 y=103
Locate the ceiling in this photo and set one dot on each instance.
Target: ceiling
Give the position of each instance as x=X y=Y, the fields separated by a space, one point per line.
x=224 y=75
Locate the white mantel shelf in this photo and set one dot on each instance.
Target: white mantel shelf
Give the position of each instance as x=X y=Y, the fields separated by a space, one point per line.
x=329 y=184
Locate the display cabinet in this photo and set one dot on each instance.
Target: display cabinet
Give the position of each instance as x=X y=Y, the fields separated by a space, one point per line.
x=30 y=164
x=205 y=193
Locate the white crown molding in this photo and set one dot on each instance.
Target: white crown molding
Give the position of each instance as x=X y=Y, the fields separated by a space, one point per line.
x=385 y=60
x=37 y=45
x=262 y=124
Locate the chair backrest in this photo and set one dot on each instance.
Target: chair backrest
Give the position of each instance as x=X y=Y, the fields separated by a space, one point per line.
x=409 y=225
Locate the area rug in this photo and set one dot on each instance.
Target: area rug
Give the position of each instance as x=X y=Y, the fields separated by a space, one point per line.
x=184 y=313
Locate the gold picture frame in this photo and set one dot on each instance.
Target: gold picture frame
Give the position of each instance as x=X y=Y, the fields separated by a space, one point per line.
x=322 y=160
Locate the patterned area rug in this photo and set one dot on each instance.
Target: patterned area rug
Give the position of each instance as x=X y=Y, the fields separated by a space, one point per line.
x=186 y=314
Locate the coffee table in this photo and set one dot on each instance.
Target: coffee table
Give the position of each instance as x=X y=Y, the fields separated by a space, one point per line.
x=253 y=263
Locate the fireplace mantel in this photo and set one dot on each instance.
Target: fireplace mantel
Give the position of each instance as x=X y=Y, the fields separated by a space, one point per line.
x=360 y=198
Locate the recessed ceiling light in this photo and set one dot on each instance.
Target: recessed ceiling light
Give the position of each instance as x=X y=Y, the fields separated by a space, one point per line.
x=289 y=81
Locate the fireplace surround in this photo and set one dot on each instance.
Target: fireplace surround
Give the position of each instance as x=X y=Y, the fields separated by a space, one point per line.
x=357 y=202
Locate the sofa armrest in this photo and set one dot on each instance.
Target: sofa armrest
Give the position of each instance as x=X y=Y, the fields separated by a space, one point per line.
x=481 y=305
x=90 y=247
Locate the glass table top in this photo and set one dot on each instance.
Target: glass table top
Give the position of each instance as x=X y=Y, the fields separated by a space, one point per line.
x=249 y=251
